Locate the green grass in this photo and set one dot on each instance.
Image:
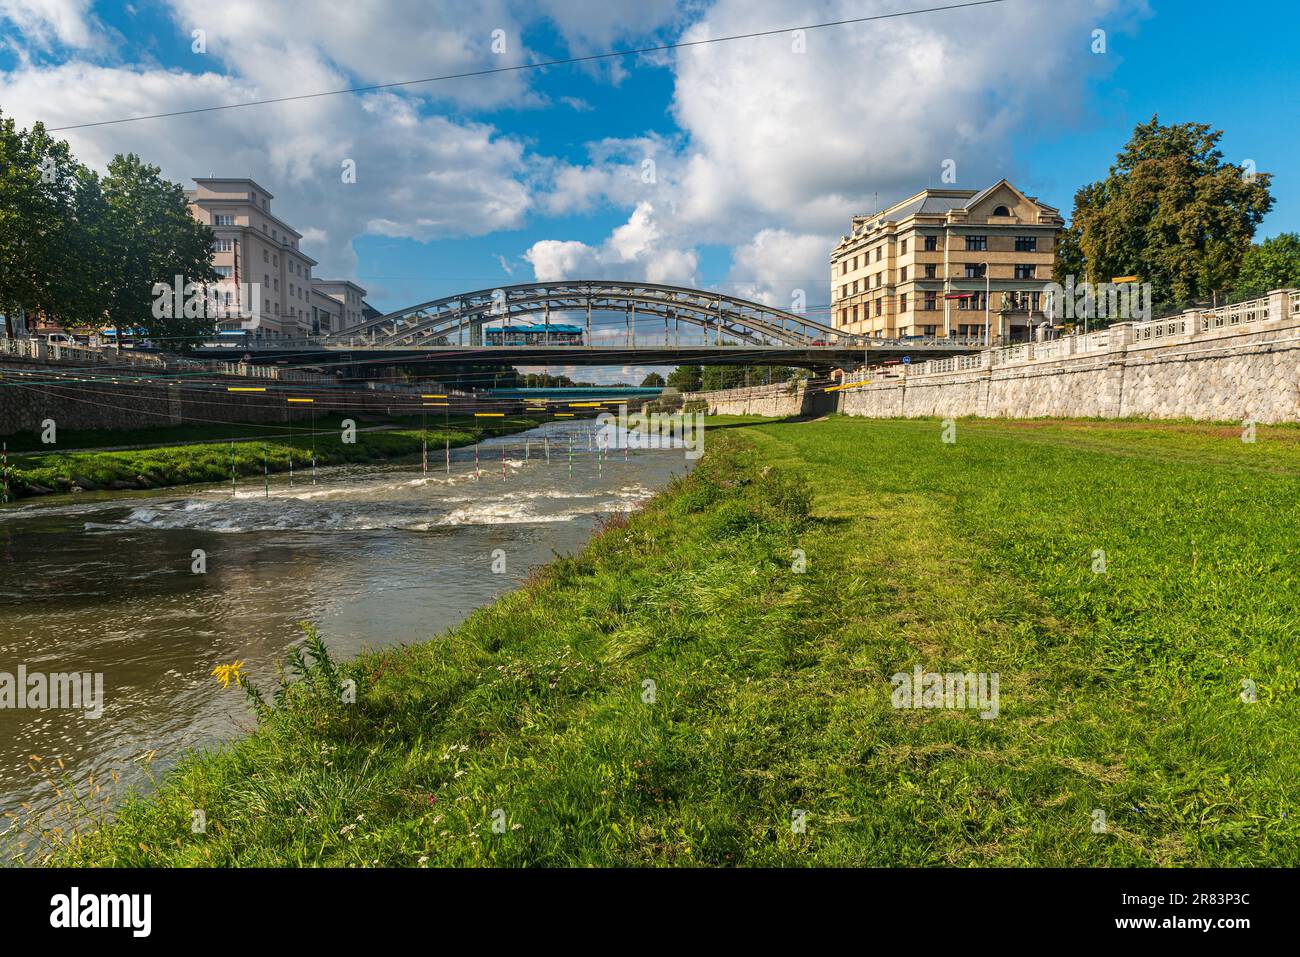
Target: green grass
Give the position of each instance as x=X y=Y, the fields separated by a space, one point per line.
x=1118 y=691
x=211 y=462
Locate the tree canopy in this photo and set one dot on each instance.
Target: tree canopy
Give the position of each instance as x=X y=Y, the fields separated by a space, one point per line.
x=88 y=250
x=1171 y=211
x=1272 y=264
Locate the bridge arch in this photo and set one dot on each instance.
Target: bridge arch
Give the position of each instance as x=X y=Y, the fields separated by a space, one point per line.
x=720 y=315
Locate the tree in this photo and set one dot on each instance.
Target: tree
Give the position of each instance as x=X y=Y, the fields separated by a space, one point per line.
x=686 y=378
x=154 y=239
x=1272 y=264
x=653 y=381
x=1171 y=212
x=36 y=188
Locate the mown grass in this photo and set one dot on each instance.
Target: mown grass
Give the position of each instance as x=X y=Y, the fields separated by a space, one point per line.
x=1119 y=691
x=211 y=462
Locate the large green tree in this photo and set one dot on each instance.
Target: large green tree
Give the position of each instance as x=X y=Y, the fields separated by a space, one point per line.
x=153 y=238
x=37 y=176
x=1272 y=264
x=1171 y=212
x=686 y=378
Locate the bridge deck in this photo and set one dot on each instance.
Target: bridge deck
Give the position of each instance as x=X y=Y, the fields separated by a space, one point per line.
x=812 y=357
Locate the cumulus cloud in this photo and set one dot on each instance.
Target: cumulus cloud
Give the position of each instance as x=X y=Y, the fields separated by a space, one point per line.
x=779 y=148
x=783 y=269
x=636 y=250
x=49 y=22
x=418 y=176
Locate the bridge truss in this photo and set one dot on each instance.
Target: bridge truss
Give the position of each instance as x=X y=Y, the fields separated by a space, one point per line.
x=721 y=316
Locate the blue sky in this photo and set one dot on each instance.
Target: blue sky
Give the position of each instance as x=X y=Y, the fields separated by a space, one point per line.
x=761 y=152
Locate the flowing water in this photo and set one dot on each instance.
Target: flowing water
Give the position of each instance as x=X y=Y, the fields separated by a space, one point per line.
x=372 y=555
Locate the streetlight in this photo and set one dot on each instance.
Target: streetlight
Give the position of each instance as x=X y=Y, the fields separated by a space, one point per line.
x=986 y=304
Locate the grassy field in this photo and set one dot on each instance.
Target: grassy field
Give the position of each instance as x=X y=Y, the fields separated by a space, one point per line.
x=175 y=459
x=1121 y=690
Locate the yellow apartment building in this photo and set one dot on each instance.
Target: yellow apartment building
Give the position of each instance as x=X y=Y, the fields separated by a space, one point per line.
x=928 y=265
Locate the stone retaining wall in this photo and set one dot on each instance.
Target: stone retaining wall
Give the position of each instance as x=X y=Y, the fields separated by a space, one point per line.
x=1246 y=373
x=28 y=397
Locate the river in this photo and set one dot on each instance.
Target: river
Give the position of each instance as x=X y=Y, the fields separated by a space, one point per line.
x=105 y=583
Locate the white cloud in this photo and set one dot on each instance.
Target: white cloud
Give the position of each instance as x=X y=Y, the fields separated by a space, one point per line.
x=635 y=250
x=778 y=149
x=776 y=265
x=417 y=176
x=45 y=22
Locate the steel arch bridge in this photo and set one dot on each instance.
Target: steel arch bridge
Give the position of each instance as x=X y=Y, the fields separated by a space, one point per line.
x=719 y=315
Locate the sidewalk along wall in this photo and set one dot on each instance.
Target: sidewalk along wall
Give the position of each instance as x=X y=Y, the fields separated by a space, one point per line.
x=1234 y=363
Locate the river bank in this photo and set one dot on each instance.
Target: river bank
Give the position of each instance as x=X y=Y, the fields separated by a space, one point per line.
x=177 y=459
x=715 y=681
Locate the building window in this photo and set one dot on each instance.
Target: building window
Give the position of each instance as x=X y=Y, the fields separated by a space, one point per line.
x=931 y=301
x=977 y=244
x=929 y=270
x=880 y=304
x=1026 y=244
x=223 y=246
x=1024 y=271
x=931 y=243
x=275 y=260
x=902 y=303
x=1024 y=301
x=223 y=219
x=1001 y=211
x=902 y=248
x=902 y=274
x=974 y=270
x=879 y=252
x=266 y=256
x=224 y=272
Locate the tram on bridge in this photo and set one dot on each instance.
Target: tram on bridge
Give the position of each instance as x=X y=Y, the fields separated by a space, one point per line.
x=527 y=334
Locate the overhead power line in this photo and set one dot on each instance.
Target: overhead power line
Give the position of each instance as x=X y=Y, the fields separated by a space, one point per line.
x=528 y=66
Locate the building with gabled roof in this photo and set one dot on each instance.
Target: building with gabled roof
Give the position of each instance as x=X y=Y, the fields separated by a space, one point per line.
x=930 y=264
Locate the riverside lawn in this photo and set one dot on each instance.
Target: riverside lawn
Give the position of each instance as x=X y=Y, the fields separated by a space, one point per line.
x=178 y=464
x=1120 y=691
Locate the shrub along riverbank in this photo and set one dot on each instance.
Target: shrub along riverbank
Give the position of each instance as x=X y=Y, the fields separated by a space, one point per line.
x=183 y=462
x=679 y=692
